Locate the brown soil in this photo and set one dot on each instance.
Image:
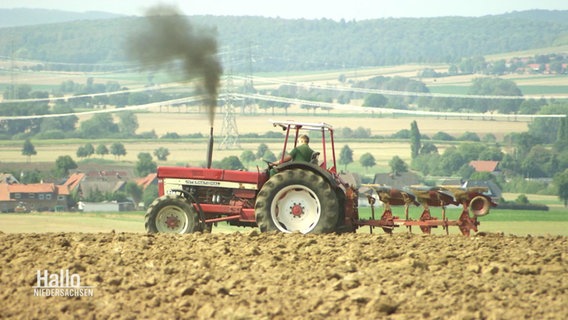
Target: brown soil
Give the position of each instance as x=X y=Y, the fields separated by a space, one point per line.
x=288 y=276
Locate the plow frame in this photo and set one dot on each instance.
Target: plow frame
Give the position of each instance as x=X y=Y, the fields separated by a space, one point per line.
x=426 y=197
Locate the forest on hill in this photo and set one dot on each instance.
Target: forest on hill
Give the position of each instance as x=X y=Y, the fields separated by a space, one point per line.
x=275 y=44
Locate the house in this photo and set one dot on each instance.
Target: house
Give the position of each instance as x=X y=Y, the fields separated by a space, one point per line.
x=486 y=166
x=494 y=192
x=150 y=179
x=74 y=182
x=33 y=197
x=87 y=183
x=8 y=178
x=96 y=183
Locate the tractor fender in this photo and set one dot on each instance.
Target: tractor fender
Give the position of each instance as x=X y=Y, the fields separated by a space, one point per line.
x=308 y=166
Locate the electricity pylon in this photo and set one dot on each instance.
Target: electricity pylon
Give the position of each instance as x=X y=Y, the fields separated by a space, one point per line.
x=229 y=131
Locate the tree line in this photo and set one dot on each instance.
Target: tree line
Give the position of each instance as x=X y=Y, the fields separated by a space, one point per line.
x=275 y=44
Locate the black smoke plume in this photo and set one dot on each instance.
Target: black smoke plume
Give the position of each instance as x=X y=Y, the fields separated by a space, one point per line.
x=170 y=38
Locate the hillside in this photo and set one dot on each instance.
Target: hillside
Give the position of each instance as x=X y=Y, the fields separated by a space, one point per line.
x=271 y=44
x=26 y=17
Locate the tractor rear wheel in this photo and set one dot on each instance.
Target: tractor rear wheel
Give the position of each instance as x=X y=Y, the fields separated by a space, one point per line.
x=297 y=200
x=171 y=214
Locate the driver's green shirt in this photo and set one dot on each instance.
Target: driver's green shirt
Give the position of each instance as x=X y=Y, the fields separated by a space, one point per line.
x=302 y=152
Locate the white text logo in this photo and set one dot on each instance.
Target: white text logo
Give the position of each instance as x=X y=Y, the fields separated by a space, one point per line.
x=62 y=284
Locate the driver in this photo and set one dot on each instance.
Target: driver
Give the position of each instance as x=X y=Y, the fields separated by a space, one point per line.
x=302 y=152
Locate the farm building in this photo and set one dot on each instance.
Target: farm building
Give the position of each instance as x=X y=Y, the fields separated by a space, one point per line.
x=106 y=206
x=86 y=183
x=33 y=197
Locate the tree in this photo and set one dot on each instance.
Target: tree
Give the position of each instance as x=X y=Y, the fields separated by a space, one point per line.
x=64 y=124
x=262 y=148
x=63 y=164
x=117 y=149
x=28 y=150
x=162 y=153
x=89 y=149
x=85 y=151
x=466 y=171
x=397 y=165
x=522 y=199
x=426 y=163
x=145 y=165
x=81 y=152
x=374 y=100
x=232 y=163
x=346 y=156
x=524 y=142
x=101 y=150
x=428 y=148
x=361 y=133
x=561 y=183
x=491 y=153
x=469 y=136
x=546 y=130
x=367 y=160
x=415 y=144
x=135 y=191
x=247 y=157
x=539 y=162
x=450 y=162
x=269 y=156
x=100 y=125
x=128 y=122
x=561 y=143
x=149 y=194
x=495 y=87
x=443 y=136
x=471 y=150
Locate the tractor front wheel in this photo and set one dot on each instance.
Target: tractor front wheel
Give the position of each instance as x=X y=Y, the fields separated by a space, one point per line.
x=297 y=200
x=171 y=214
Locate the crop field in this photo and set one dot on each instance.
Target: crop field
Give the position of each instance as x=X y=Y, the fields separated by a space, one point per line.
x=193 y=151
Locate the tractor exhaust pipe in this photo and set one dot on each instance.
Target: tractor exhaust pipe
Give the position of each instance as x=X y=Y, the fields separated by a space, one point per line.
x=210 y=149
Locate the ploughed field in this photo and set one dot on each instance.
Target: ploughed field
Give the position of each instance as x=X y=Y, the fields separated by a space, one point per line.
x=251 y=275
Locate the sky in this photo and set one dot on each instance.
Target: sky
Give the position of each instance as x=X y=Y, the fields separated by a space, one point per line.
x=307 y=9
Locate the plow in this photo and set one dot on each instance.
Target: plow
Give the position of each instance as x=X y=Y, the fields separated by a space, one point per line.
x=474 y=202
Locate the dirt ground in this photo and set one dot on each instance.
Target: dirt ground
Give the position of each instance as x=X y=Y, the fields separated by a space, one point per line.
x=249 y=275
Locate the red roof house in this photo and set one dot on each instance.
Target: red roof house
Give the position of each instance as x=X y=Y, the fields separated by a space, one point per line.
x=34 y=196
x=485 y=166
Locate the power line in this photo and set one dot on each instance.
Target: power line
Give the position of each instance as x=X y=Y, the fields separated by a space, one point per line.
x=129 y=108
x=389 y=92
x=352 y=108
x=342 y=107
x=335 y=106
x=92 y=95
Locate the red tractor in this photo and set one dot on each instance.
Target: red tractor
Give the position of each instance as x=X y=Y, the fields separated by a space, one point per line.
x=304 y=197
